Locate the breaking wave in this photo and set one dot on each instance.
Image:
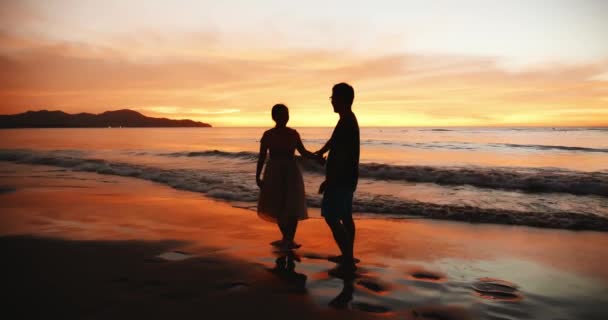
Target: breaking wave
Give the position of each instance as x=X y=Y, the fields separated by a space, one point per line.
x=239 y=188
x=455 y=145
x=549 y=147
x=525 y=179
x=245 y=155
x=505 y=178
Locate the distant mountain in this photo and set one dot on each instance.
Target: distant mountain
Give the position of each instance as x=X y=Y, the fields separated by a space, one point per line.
x=118 y=118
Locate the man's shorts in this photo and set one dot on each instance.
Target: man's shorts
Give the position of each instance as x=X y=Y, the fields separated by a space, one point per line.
x=337 y=203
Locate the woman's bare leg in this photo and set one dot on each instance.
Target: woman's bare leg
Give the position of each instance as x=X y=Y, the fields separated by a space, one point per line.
x=293 y=226
x=283 y=226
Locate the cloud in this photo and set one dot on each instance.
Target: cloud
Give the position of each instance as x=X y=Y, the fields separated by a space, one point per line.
x=173 y=110
x=237 y=86
x=18 y=13
x=600 y=77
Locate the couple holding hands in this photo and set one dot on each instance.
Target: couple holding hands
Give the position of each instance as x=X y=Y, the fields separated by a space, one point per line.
x=282 y=197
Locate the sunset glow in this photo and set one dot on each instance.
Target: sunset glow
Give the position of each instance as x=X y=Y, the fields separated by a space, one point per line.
x=412 y=63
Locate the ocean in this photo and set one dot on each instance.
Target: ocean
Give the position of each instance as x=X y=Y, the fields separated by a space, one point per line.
x=543 y=177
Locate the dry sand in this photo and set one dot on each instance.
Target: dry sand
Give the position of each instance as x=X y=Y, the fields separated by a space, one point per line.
x=82 y=245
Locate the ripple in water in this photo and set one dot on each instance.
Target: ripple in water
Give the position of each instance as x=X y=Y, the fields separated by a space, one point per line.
x=496 y=289
x=426 y=275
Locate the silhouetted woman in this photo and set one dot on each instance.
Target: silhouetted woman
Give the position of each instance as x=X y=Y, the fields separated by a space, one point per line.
x=282 y=197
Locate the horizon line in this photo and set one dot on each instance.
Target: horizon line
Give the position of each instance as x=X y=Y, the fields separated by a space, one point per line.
x=602 y=125
x=329 y=127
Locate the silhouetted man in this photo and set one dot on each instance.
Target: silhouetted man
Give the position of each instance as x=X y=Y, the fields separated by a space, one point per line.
x=342 y=174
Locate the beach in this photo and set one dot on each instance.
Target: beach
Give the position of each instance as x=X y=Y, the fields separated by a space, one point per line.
x=88 y=245
x=221 y=159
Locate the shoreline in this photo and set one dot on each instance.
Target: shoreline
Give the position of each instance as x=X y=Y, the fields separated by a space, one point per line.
x=182 y=179
x=407 y=265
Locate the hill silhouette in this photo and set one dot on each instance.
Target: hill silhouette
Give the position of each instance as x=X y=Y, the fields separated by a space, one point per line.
x=118 y=118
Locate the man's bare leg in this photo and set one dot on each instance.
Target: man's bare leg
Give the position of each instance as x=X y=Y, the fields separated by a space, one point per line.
x=349 y=227
x=340 y=236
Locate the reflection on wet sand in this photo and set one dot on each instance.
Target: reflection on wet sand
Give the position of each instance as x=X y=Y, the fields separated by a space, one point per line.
x=284 y=269
x=412 y=269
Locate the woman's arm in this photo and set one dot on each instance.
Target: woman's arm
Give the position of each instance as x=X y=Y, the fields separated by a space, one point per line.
x=261 y=161
x=303 y=151
x=307 y=154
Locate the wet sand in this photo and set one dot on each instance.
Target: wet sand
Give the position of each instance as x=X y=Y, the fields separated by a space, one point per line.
x=83 y=245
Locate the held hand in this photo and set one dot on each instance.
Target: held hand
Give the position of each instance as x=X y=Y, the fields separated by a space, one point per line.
x=259 y=182
x=320 y=159
x=322 y=187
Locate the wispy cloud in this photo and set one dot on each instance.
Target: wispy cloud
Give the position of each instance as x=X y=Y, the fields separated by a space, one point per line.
x=173 y=110
x=238 y=85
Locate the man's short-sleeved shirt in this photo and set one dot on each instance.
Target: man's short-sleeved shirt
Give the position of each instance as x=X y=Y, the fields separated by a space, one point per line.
x=343 y=160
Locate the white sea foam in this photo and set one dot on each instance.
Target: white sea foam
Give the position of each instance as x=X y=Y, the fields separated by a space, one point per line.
x=240 y=188
x=506 y=178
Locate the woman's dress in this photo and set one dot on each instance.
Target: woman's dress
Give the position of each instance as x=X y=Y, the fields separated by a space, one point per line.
x=282 y=194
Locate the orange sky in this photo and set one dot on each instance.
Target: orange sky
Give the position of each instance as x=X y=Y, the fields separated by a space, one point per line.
x=229 y=75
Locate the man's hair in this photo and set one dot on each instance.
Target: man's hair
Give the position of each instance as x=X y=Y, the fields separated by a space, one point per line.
x=344 y=92
x=277 y=109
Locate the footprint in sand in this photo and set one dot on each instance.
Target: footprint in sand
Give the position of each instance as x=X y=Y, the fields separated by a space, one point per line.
x=330 y=258
x=169 y=256
x=5 y=189
x=441 y=313
x=372 y=308
x=425 y=275
x=373 y=286
x=314 y=256
x=174 y=256
x=496 y=289
x=180 y=295
x=154 y=260
x=234 y=286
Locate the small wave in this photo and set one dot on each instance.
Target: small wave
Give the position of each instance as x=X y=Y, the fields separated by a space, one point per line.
x=526 y=179
x=241 y=188
x=215 y=153
x=529 y=179
x=453 y=145
x=549 y=147
x=556 y=219
x=533 y=180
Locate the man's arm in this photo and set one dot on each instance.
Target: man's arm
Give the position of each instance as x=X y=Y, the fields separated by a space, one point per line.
x=325 y=148
x=329 y=142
